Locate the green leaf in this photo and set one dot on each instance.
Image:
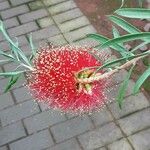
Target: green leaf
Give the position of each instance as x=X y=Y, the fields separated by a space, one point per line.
x=4 y=61
x=32 y=45
x=6 y=55
x=126 y=38
x=11 y=73
x=12 y=81
x=120 y=60
x=141 y=80
x=123 y=88
x=124 y=24
x=115 y=32
x=139 y=46
x=103 y=40
x=18 y=50
x=139 y=13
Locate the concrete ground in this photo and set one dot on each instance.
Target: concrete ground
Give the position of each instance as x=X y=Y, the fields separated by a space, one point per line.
x=26 y=125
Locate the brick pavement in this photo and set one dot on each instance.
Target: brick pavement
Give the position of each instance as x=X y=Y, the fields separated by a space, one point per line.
x=26 y=125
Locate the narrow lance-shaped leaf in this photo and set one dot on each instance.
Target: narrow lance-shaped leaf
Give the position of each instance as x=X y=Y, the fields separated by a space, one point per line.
x=11 y=73
x=11 y=82
x=141 y=80
x=139 y=13
x=116 y=34
x=124 y=24
x=120 y=60
x=123 y=87
x=126 y=38
x=103 y=40
x=2 y=29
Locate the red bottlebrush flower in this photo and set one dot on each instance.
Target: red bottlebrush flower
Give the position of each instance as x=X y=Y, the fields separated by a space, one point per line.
x=54 y=80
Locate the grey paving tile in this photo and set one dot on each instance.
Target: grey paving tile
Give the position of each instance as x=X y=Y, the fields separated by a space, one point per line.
x=68 y=15
x=101 y=117
x=120 y=145
x=67 y=5
x=14 y=11
x=3 y=148
x=100 y=136
x=74 y=24
x=37 y=141
x=22 y=94
x=45 y=33
x=33 y=15
x=43 y=120
x=57 y=40
x=18 y=112
x=130 y=105
x=6 y=101
x=12 y=132
x=35 y=5
x=4 y=5
x=71 y=128
x=52 y=2
x=135 y=122
x=103 y=148
x=3 y=83
x=18 y=2
x=23 y=29
x=68 y=145
x=140 y=141
x=79 y=33
x=45 y=22
x=12 y=22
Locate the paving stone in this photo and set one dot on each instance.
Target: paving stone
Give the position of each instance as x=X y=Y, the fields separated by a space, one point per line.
x=22 y=94
x=112 y=92
x=74 y=24
x=103 y=148
x=43 y=120
x=14 y=11
x=120 y=145
x=6 y=101
x=18 y=112
x=23 y=29
x=68 y=15
x=68 y=145
x=71 y=128
x=52 y=2
x=79 y=33
x=18 y=2
x=100 y=136
x=33 y=15
x=130 y=105
x=135 y=122
x=43 y=106
x=140 y=141
x=101 y=117
x=3 y=83
x=35 y=5
x=45 y=22
x=4 y=46
x=37 y=141
x=57 y=40
x=4 y=5
x=11 y=133
x=87 y=42
x=3 y=148
x=12 y=22
x=45 y=33
x=62 y=7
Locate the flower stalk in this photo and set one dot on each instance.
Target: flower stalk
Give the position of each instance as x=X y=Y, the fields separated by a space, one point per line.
x=99 y=76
